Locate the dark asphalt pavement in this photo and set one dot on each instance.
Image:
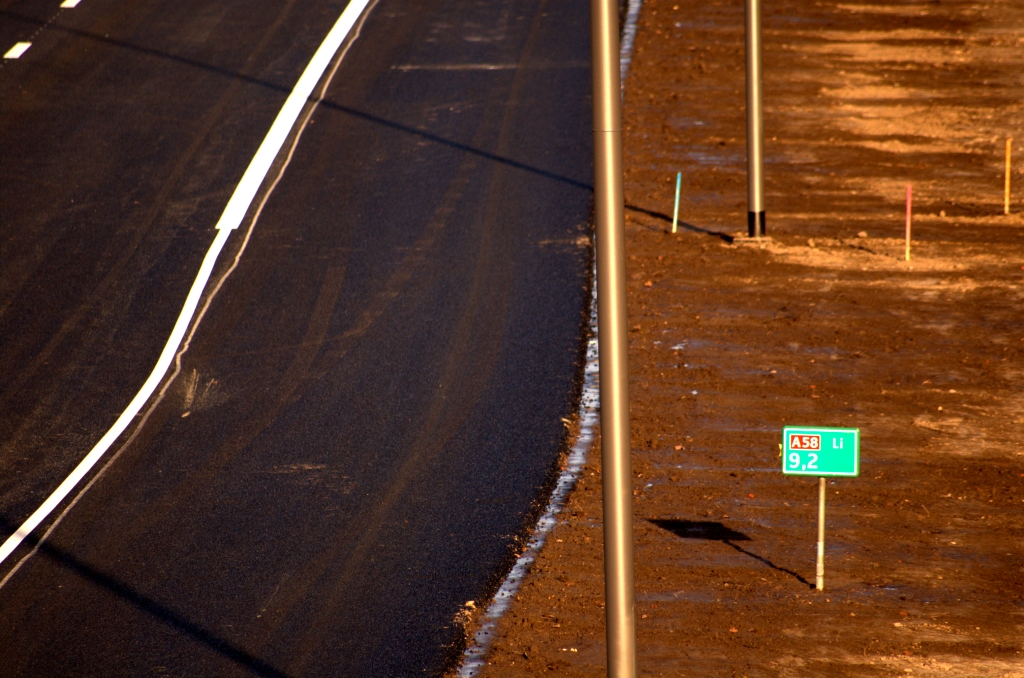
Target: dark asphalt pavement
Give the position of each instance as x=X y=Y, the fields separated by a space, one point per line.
x=371 y=407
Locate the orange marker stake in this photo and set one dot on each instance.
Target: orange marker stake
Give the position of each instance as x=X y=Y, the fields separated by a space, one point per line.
x=1006 y=190
x=909 y=203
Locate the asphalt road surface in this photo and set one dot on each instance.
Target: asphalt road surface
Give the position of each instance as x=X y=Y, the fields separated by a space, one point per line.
x=370 y=408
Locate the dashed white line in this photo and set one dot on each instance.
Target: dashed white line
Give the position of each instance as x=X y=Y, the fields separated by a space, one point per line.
x=229 y=220
x=70 y=4
x=18 y=49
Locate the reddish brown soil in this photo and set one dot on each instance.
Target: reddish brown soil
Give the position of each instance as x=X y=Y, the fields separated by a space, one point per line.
x=730 y=342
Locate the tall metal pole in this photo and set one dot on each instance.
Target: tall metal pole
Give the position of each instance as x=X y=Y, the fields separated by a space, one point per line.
x=755 y=128
x=611 y=328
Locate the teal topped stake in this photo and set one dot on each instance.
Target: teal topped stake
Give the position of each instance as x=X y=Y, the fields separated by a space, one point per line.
x=814 y=451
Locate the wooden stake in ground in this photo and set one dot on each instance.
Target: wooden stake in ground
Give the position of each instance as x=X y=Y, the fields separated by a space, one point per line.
x=822 y=452
x=1006 y=190
x=909 y=202
x=819 y=579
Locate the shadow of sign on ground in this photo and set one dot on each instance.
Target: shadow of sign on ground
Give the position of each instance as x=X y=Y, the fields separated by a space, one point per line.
x=715 y=531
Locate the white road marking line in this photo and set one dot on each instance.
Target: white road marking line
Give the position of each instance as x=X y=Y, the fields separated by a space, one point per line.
x=68 y=4
x=164 y=362
x=268 y=150
x=18 y=49
x=296 y=100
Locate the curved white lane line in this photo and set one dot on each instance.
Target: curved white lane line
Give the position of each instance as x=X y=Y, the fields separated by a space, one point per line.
x=164 y=362
x=272 y=143
x=248 y=186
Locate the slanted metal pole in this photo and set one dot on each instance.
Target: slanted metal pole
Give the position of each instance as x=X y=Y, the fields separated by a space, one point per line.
x=611 y=330
x=820 y=569
x=755 y=127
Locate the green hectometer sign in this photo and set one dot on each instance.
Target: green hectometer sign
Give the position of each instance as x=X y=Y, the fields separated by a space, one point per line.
x=808 y=451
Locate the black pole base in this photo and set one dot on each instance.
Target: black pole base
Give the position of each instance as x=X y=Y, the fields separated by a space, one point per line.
x=755 y=224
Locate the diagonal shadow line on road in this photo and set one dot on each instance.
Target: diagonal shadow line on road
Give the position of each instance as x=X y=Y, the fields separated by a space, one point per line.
x=369 y=117
x=429 y=136
x=713 y=531
x=165 y=615
x=423 y=134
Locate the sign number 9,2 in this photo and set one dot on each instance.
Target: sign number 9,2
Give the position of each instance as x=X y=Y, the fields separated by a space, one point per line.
x=795 y=462
x=809 y=443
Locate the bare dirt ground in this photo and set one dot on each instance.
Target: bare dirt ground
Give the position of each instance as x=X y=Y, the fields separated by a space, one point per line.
x=819 y=326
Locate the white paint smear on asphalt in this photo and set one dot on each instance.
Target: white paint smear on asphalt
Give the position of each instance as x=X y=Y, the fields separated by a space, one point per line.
x=18 y=49
x=288 y=115
x=164 y=362
x=475 y=656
